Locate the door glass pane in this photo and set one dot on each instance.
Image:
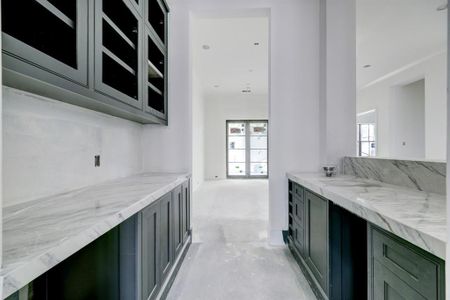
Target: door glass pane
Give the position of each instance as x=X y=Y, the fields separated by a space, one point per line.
x=258 y=169
x=258 y=142
x=365 y=148
x=371 y=132
x=258 y=155
x=258 y=128
x=236 y=142
x=236 y=156
x=236 y=129
x=236 y=169
x=364 y=132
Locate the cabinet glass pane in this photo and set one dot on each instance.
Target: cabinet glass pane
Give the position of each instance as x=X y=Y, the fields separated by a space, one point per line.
x=236 y=142
x=236 y=129
x=236 y=156
x=236 y=169
x=258 y=142
x=48 y=26
x=258 y=128
x=156 y=18
x=258 y=155
x=258 y=169
x=120 y=48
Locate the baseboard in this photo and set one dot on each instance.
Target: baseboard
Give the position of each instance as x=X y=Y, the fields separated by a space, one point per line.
x=165 y=288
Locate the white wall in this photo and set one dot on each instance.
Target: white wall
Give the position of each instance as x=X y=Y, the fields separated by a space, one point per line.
x=338 y=74
x=49 y=147
x=218 y=109
x=198 y=134
x=407 y=126
x=294 y=95
x=377 y=95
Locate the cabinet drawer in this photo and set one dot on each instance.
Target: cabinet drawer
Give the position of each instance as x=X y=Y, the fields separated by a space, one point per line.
x=297 y=190
x=298 y=210
x=413 y=266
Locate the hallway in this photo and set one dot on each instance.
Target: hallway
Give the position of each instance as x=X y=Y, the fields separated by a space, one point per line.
x=229 y=257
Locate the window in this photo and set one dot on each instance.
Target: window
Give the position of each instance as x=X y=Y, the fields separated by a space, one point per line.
x=366 y=144
x=247 y=149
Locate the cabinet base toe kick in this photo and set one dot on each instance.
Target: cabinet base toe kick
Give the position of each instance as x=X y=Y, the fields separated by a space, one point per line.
x=344 y=256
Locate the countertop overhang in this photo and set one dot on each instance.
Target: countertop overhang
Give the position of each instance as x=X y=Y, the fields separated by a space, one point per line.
x=415 y=216
x=39 y=234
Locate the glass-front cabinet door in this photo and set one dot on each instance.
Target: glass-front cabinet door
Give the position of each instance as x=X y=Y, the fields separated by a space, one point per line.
x=49 y=34
x=247 y=149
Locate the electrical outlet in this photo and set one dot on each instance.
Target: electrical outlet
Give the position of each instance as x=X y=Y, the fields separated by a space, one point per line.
x=97 y=161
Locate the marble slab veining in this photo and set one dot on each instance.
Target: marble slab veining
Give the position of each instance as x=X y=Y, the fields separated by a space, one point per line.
x=44 y=232
x=428 y=176
x=416 y=216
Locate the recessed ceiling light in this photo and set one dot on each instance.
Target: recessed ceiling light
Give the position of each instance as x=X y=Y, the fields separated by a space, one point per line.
x=216 y=85
x=246 y=91
x=256 y=43
x=366 y=66
x=206 y=47
x=250 y=70
x=442 y=7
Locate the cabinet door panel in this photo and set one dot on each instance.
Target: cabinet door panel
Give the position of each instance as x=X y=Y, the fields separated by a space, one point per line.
x=177 y=220
x=317 y=235
x=186 y=210
x=150 y=251
x=50 y=35
x=166 y=231
x=387 y=286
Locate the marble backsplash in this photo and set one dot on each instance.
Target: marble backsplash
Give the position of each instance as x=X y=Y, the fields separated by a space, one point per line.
x=424 y=176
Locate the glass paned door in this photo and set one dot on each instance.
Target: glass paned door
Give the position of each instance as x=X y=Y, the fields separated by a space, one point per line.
x=247 y=155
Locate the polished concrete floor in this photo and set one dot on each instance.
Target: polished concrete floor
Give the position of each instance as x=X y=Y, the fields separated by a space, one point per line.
x=229 y=257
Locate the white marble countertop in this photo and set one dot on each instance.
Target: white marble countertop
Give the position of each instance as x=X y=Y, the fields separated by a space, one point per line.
x=415 y=216
x=41 y=233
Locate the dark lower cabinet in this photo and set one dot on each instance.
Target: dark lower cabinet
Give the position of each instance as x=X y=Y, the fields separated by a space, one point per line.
x=186 y=210
x=133 y=261
x=316 y=253
x=166 y=235
x=401 y=270
x=330 y=245
x=345 y=257
x=178 y=236
x=150 y=251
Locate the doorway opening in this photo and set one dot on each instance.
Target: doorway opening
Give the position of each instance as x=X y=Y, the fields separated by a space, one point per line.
x=247 y=148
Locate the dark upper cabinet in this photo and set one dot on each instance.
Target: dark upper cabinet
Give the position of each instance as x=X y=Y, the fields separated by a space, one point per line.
x=105 y=55
x=317 y=237
x=49 y=34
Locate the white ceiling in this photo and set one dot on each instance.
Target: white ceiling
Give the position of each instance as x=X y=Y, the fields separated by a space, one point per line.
x=394 y=33
x=233 y=62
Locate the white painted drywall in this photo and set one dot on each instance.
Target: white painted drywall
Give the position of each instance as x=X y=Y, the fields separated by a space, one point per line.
x=294 y=131
x=378 y=96
x=338 y=114
x=294 y=94
x=218 y=110
x=1 y=165
x=407 y=115
x=49 y=147
x=198 y=133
